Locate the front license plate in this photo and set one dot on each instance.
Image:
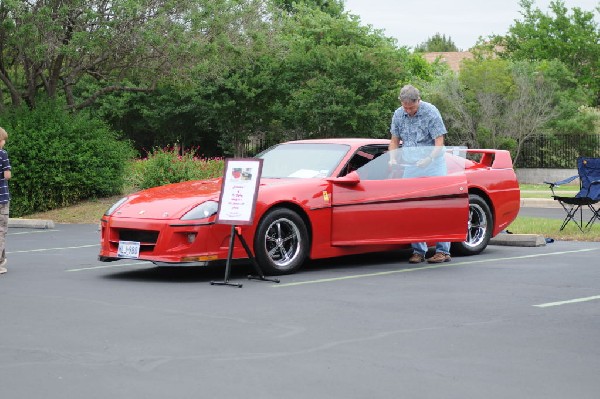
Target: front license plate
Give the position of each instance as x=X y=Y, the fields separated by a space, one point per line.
x=129 y=249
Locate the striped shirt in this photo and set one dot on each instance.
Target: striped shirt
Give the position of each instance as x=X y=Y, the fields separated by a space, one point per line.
x=4 y=165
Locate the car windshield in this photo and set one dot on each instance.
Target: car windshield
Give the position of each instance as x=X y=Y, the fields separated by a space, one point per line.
x=408 y=162
x=302 y=160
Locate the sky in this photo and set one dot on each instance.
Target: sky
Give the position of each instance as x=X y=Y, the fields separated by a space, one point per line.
x=412 y=22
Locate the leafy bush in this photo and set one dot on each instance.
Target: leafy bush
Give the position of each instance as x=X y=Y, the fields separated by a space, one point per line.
x=164 y=166
x=59 y=158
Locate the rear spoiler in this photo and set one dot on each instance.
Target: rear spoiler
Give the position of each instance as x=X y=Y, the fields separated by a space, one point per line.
x=495 y=159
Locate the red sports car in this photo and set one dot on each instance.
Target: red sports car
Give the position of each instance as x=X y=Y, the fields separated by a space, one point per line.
x=324 y=198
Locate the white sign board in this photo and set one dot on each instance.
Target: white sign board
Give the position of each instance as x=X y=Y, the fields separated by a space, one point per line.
x=239 y=191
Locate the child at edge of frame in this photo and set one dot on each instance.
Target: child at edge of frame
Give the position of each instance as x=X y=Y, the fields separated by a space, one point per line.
x=5 y=175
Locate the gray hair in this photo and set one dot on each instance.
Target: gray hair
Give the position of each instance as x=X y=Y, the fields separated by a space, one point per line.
x=409 y=94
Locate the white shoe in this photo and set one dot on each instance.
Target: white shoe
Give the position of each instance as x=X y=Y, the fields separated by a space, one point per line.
x=3 y=270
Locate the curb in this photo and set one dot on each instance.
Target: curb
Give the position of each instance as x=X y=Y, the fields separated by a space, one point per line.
x=519 y=240
x=526 y=240
x=30 y=223
x=539 y=203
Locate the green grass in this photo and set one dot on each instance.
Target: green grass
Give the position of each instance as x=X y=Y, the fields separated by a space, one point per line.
x=88 y=212
x=543 y=190
x=549 y=228
x=545 y=187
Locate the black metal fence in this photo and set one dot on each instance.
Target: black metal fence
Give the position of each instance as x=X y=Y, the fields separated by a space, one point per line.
x=558 y=151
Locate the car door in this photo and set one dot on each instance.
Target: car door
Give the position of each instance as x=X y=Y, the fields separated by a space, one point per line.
x=376 y=205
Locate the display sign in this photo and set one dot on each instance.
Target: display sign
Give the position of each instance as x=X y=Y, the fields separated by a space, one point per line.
x=239 y=191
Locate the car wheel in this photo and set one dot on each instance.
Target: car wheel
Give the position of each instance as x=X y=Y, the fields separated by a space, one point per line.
x=281 y=242
x=479 y=228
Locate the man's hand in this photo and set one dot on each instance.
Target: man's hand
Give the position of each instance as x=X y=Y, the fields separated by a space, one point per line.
x=424 y=162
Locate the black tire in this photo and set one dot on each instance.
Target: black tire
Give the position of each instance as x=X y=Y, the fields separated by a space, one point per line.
x=479 y=229
x=281 y=242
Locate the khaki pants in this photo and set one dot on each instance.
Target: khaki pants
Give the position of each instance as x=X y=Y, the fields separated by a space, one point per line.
x=3 y=228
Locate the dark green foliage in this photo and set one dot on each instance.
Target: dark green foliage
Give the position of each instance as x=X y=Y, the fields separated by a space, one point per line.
x=59 y=158
x=310 y=75
x=437 y=43
x=331 y=7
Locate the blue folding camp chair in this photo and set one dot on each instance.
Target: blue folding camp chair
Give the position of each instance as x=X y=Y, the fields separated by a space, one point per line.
x=588 y=195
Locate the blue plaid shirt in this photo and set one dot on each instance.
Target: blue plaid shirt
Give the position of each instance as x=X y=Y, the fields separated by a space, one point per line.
x=421 y=129
x=4 y=165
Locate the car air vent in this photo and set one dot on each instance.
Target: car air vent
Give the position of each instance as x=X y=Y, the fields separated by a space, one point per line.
x=142 y=236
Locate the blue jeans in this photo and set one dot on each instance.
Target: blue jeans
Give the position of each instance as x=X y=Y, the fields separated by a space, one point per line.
x=421 y=247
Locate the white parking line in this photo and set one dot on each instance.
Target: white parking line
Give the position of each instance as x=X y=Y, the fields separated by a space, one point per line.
x=435 y=266
x=31 y=232
x=108 y=266
x=51 y=249
x=577 y=300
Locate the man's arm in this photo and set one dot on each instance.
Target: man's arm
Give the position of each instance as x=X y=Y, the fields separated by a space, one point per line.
x=436 y=152
x=437 y=149
x=394 y=145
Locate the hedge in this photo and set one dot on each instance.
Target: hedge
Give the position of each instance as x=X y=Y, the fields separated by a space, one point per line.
x=59 y=158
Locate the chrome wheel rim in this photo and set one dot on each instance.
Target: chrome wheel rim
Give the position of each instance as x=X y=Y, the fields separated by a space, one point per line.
x=477 y=226
x=283 y=242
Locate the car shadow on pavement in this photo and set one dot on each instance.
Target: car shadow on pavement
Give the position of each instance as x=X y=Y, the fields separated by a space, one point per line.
x=188 y=274
x=240 y=270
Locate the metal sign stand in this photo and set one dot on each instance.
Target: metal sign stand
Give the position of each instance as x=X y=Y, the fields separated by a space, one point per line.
x=237 y=204
x=236 y=231
x=228 y=264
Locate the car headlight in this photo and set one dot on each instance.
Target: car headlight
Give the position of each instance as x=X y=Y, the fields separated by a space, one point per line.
x=202 y=211
x=113 y=208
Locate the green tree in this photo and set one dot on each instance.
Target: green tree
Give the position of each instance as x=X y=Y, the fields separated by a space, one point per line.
x=573 y=38
x=52 y=47
x=213 y=112
x=501 y=104
x=331 y=7
x=437 y=43
x=341 y=78
x=301 y=74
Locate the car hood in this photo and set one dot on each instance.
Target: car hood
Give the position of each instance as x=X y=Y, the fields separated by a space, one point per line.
x=171 y=201
x=175 y=200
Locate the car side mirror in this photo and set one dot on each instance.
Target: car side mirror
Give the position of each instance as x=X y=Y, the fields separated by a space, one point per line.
x=351 y=179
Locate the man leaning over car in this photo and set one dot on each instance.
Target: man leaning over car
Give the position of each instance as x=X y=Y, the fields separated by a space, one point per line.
x=419 y=124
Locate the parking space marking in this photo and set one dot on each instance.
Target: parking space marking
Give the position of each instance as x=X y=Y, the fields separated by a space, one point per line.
x=51 y=249
x=107 y=266
x=434 y=266
x=577 y=300
x=32 y=232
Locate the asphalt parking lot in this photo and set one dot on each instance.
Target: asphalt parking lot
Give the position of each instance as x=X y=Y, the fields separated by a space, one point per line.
x=513 y=322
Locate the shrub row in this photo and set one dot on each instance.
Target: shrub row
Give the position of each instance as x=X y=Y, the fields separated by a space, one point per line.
x=169 y=165
x=59 y=158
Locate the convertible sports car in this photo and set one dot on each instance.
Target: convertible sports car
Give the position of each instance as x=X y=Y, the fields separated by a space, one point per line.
x=324 y=198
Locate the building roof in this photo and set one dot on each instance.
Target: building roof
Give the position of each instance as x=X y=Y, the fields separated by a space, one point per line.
x=452 y=58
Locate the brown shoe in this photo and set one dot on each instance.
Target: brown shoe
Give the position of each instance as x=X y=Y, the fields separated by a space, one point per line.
x=439 y=257
x=416 y=258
